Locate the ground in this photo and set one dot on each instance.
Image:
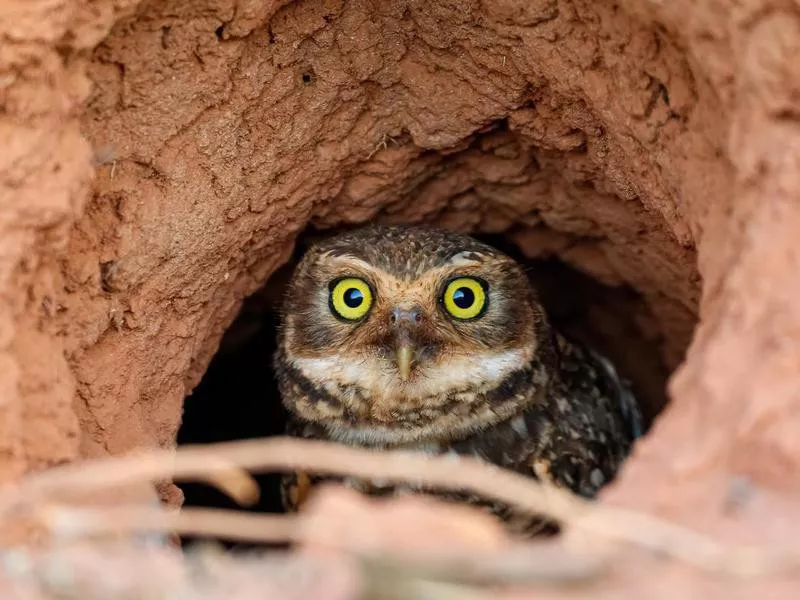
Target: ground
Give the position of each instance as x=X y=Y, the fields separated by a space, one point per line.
x=161 y=158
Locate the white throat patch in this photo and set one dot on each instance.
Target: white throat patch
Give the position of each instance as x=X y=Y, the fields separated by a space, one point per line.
x=379 y=378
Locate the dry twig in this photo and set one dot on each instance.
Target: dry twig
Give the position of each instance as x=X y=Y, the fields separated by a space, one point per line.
x=208 y=522
x=533 y=565
x=467 y=474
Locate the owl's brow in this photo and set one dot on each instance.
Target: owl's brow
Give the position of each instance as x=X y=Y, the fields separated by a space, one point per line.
x=458 y=261
x=467 y=258
x=350 y=261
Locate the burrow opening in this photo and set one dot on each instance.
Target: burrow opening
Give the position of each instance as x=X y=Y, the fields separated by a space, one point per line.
x=237 y=398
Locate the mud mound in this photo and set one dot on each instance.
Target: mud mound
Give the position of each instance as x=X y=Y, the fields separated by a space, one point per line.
x=162 y=159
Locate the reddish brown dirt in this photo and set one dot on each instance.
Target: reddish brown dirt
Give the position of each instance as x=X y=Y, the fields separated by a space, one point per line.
x=221 y=139
x=161 y=157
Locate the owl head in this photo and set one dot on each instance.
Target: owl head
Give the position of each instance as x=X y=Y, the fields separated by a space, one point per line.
x=397 y=334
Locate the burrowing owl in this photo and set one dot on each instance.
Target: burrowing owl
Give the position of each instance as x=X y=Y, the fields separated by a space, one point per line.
x=423 y=339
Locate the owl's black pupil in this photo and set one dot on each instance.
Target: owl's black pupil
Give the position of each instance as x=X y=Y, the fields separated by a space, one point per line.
x=353 y=297
x=464 y=297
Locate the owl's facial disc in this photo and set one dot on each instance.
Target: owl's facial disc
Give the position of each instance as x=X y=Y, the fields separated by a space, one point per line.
x=402 y=335
x=411 y=330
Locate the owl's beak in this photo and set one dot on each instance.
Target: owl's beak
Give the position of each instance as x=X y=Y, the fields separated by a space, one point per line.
x=403 y=321
x=404 y=356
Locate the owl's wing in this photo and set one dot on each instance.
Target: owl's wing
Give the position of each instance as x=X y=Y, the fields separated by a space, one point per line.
x=585 y=428
x=619 y=391
x=578 y=435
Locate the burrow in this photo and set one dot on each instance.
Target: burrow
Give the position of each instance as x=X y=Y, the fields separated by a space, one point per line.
x=581 y=136
x=225 y=146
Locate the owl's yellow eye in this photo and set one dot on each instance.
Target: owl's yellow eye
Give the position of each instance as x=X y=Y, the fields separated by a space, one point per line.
x=465 y=298
x=351 y=298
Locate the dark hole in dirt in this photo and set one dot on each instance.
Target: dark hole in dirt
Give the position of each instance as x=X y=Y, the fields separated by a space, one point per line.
x=238 y=398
